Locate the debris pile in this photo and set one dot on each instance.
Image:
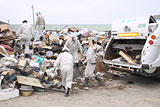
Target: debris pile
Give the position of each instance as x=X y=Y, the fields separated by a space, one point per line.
x=24 y=74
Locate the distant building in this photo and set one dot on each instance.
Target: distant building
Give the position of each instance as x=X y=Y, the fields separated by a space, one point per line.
x=3 y=23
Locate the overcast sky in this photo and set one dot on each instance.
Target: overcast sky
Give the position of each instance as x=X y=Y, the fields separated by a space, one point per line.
x=77 y=11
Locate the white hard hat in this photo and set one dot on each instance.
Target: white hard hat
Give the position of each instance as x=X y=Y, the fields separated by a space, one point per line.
x=65 y=48
x=85 y=42
x=73 y=36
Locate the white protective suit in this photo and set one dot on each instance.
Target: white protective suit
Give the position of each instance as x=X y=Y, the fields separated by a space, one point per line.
x=65 y=61
x=40 y=23
x=91 y=62
x=73 y=47
x=26 y=32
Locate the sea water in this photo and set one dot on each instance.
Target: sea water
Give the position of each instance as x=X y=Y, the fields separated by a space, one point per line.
x=96 y=27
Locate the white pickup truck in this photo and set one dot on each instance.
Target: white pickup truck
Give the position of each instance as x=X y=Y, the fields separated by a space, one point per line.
x=134 y=46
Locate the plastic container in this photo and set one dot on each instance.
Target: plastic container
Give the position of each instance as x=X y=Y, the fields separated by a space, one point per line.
x=26 y=93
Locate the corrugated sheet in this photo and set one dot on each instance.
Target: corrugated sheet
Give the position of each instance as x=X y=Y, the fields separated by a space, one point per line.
x=2 y=22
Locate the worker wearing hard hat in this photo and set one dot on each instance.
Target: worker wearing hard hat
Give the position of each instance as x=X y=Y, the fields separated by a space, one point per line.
x=65 y=61
x=91 y=62
x=99 y=49
x=74 y=45
x=99 y=57
x=26 y=32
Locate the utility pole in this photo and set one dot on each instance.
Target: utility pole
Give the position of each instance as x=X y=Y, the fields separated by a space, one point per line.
x=33 y=14
x=8 y=21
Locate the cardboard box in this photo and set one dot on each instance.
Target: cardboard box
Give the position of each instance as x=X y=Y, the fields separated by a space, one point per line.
x=22 y=63
x=10 y=75
x=11 y=72
x=29 y=81
x=6 y=75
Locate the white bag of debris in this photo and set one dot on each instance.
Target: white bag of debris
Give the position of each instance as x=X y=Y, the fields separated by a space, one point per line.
x=9 y=61
x=119 y=59
x=34 y=64
x=49 y=53
x=6 y=94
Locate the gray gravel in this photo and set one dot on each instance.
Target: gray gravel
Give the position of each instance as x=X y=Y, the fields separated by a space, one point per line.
x=140 y=92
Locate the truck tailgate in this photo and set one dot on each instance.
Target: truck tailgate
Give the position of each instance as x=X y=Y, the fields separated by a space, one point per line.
x=122 y=64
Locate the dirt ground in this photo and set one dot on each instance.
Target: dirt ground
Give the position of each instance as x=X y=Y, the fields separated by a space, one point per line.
x=132 y=91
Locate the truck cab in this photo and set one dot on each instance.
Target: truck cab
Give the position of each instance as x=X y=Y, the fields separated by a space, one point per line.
x=134 y=46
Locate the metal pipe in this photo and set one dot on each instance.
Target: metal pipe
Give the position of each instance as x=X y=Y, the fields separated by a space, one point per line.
x=33 y=14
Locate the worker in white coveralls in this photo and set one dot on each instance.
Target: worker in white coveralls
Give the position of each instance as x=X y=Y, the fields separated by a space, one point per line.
x=74 y=46
x=26 y=33
x=99 y=57
x=40 y=23
x=99 y=50
x=91 y=63
x=65 y=61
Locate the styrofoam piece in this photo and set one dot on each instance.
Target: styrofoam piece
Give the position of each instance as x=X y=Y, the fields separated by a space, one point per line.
x=9 y=93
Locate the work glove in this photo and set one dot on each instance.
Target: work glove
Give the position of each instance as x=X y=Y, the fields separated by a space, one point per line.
x=84 y=62
x=57 y=68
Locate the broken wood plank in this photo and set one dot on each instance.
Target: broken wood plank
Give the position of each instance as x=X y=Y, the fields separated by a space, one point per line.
x=127 y=57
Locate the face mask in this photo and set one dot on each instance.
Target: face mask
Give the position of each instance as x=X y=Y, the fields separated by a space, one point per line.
x=84 y=49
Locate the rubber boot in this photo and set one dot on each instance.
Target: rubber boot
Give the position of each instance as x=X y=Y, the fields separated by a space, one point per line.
x=23 y=46
x=64 y=87
x=99 y=80
x=77 y=71
x=67 y=92
x=86 y=83
x=76 y=65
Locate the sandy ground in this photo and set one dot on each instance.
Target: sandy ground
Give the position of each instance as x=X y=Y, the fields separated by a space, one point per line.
x=144 y=92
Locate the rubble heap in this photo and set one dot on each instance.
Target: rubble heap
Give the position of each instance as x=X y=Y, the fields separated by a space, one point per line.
x=21 y=74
